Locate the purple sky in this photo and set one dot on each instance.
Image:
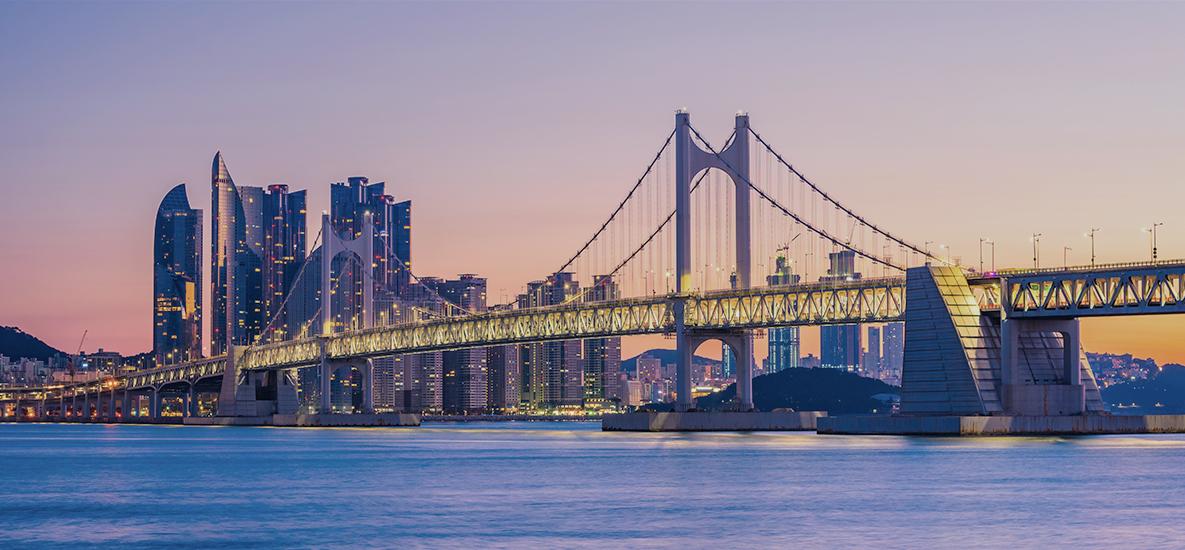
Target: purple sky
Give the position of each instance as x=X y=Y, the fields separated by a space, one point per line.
x=940 y=121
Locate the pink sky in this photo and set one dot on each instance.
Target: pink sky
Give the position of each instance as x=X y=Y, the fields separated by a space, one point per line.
x=945 y=122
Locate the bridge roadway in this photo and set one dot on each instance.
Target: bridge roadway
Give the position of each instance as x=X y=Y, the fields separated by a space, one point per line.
x=1138 y=288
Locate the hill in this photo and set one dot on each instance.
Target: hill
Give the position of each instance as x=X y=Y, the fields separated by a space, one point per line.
x=1166 y=388
x=666 y=356
x=16 y=343
x=836 y=391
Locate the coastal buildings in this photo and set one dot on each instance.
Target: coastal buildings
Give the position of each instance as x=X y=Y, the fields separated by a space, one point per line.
x=464 y=383
x=602 y=356
x=235 y=261
x=177 y=280
x=284 y=246
x=552 y=373
x=840 y=345
x=783 y=342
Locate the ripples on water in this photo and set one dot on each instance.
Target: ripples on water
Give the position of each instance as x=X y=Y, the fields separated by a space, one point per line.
x=568 y=484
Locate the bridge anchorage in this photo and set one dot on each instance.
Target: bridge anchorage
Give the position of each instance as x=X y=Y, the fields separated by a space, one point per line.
x=995 y=353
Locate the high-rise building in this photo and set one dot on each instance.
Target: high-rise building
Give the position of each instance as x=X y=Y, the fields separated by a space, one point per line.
x=502 y=380
x=284 y=234
x=551 y=371
x=464 y=375
x=840 y=345
x=602 y=356
x=235 y=260
x=783 y=342
x=177 y=280
x=872 y=357
x=892 y=352
x=399 y=243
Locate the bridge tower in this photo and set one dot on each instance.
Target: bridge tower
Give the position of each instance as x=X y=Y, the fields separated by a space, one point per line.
x=690 y=160
x=361 y=247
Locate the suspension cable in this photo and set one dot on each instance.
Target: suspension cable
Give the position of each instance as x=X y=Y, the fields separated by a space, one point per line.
x=821 y=233
x=837 y=204
x=650 y=238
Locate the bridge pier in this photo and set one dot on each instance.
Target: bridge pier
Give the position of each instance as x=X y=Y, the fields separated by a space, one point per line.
x=739 y=341
x=967 y=372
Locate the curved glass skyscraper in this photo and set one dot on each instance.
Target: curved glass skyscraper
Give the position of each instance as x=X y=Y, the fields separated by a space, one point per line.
x=235 y=260
x=177 y=280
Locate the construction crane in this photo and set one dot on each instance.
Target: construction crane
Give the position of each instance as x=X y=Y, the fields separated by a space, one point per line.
x=71 y=367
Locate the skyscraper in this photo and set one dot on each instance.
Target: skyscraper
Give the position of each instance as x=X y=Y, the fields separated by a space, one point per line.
x=602 y=356
x=502 y=379
x=350 y=202
x=551 y=371
x=399 y=243
x=840 y=344
x=892 y=352
x=235 y=259
x=177 y=280
x=464 y=373
x=284 y=245
x=783 y=342
x=872 y=358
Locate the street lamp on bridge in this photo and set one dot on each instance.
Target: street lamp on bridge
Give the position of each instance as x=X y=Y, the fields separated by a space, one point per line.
x=1036 y=250
x=1090 y=234
x=1152 y=237
x=1066 y=257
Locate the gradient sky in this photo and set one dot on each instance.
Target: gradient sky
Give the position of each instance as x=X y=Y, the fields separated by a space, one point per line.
x=942 y=122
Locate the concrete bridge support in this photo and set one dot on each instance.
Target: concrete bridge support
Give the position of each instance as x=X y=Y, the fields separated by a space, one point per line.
x=1035 y=391
x=329 y=370
x=959 y=361
x=741 y=344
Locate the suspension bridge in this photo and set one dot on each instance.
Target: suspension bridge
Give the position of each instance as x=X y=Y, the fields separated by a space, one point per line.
x=689 y=252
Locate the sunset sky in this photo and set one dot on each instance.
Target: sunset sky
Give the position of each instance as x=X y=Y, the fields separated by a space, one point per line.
x=944 y=122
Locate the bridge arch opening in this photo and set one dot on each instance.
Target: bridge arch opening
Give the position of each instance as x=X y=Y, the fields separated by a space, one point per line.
x=702 y=371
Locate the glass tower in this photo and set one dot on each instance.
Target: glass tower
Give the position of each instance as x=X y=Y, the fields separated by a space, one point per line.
x=235 y=259
x=284 y=245
x=177 y=280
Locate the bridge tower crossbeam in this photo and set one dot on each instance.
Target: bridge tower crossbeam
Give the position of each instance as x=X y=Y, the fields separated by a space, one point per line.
x=690 y=160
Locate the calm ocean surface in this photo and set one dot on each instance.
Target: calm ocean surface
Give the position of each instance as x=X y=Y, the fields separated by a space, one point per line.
x=567 y=484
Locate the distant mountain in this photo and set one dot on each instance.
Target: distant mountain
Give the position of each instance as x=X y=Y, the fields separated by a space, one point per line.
x=667 y=356
x=16 y=344
x=1163 y=393
x=833 y=390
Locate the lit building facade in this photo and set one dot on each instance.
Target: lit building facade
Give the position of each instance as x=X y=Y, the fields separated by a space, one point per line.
x=284 y=246
x=783 y=342
x=839 y=345
x=892 y=352
x=177 y=280
x=552 y=373
x=601 y=356
x=235 y=263
x=464 y=373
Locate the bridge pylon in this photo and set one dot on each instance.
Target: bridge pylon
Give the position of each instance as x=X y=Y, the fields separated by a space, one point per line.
x=690 y=160
x=361 y=246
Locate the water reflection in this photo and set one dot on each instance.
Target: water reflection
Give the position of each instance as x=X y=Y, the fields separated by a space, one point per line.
x=569 y=484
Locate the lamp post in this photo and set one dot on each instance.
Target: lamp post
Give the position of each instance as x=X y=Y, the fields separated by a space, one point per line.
x=1090 y=234
x=1066 y=257
x=1152 y=235
x=993 y=245
x=981 y=241
x=1036 y=250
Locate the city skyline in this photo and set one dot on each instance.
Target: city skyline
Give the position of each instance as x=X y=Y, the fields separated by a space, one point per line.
x=889 y=154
